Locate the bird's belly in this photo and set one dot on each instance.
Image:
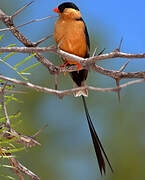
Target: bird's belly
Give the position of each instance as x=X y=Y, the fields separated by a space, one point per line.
x=73 y=42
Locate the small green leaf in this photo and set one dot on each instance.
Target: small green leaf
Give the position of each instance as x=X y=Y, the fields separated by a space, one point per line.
x=3 y=129
x=12 y=98
x=7 y=157
x=7 y=166
x=26 y=59
x=30 y=67
x=14 y=150
x=7 y=141
x=13 y=69
x=11 y=45
x=1 y=37
x=8 y=177
x=11 y=117
x=8 y=56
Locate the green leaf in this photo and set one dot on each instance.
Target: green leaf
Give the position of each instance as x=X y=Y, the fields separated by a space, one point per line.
x=9 y=55
x=1 y=37
x=11 y=45
x=2 y=119
x=15 y=116
x=7 y=157
x=7 y=166
x=30 y=67
x=26 y=59
x=8 y=177
x=14 y=150
x=12 y=98
x=23 y=72
x=7 y=141
x=13 y=69
x=3 y=129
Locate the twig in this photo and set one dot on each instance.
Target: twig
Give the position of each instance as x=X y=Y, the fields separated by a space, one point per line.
x=26 y=23
x=36 y=20
x=72 y=56
x=4 y=107
x=18 y=173
x=20 y=10
x=69 y=91
x=95 y=51
x=119 y=47
x=43 y=39
x=13 y=91
x=39 y=131
x=101 y=52
x=124 y=66
x=117 y=85
x=85 y=63
x=119 y=75
x=28 y=141
x=117 y=79
x=8 y=21
x=56 y=81
x=22 y=169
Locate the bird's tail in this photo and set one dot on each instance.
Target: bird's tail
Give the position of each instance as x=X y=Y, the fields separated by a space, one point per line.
x=97 y=143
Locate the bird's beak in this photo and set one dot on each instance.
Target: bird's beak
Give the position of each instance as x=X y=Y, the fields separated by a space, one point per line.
x=56 y=10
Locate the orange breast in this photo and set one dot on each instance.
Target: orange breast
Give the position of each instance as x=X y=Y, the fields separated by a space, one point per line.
x=70 y=37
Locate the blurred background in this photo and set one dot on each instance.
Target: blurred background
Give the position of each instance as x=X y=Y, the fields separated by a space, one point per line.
x=67 y=152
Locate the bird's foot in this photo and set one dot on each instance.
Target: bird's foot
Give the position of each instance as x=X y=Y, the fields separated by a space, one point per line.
x=63 y=66
x=78 y=67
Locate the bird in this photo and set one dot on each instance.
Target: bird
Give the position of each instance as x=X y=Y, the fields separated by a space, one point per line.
x=71 y=35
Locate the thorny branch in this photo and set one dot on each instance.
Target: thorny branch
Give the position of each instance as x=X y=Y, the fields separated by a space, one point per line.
x=22 y=169
x=89 y=63
x=82 y=61
x=9 y=133
x=86 y=63
x=4 y=107
x=17 y=167
x=62 y=93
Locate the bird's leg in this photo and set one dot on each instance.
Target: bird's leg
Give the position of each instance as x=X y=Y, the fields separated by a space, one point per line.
x=62 y=66
x=78 y=67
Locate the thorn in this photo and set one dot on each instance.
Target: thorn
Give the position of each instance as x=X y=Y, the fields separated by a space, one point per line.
x=124 y=66
x=94 y=53
x=56 y=81
x=39 y=131
x=120 y=44
x=118 y=91
x=119 y=47
x=61 y=96
x=31 y=21
x=101 y=52
x=41 y=40
x=20 y=10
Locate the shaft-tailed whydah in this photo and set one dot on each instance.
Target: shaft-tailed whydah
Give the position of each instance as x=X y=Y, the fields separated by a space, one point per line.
x=72 y=36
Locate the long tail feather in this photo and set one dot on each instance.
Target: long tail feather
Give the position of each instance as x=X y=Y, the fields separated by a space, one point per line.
x=97 y=143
